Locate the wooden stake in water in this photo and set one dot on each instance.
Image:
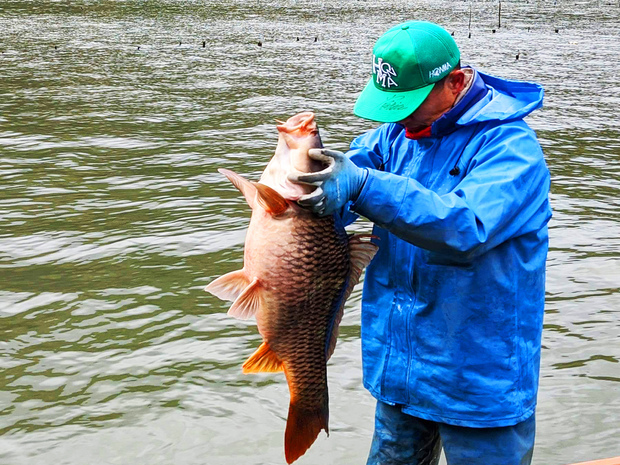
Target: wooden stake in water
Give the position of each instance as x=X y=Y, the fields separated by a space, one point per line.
x=470 y=18
x=499 y=16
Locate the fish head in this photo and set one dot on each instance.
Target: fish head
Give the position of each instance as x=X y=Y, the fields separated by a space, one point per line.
x=296 y=136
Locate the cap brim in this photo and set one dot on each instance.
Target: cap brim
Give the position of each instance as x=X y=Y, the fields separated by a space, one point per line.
x=389 y=107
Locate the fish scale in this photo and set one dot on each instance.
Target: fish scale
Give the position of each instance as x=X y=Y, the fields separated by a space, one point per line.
x=298 y=271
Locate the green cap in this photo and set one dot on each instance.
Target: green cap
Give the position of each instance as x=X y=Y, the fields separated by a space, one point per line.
x=407 y=61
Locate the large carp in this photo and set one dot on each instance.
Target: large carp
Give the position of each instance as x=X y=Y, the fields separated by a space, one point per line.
x=298 y=271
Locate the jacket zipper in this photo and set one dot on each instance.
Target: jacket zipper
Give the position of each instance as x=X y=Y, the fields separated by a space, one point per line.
x=386 y=361
x=389 y=328
x=415 y=161
x=410 y=335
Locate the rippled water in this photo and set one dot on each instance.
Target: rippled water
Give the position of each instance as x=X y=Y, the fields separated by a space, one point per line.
x=113 y=120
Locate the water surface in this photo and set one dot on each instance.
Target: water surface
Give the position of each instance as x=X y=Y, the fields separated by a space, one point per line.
x=113 y=120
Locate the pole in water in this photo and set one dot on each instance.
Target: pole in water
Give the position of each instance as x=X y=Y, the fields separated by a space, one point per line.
x=499 y=15
x=470 y=19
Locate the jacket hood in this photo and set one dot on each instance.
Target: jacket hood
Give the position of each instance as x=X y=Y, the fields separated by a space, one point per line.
x=491 y=98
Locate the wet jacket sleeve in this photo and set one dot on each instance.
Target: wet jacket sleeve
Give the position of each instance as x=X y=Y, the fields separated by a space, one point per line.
x=504 y=193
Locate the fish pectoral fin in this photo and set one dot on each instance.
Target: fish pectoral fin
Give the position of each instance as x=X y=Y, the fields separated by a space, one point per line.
x=230 y=286
x=270 y=199
x=245 y=187
x=248 y=302
x=264 y=360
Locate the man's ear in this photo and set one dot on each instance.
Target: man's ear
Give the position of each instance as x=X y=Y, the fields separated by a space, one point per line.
x=456 y=81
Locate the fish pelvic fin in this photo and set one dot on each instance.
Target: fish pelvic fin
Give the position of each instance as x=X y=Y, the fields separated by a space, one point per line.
x=270 y=199
x=246 y=187
x=303 y=425
x=229 y=286
x=361 y=252
x=248 y=302
x=264 y=360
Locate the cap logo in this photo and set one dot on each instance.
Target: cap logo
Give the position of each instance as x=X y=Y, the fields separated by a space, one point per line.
x=439 y=70
x=384 y=72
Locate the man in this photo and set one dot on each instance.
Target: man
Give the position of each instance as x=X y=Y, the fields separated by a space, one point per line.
x=457 y=187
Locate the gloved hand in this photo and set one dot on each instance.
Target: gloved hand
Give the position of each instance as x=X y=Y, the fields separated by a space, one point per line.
x=340 y=182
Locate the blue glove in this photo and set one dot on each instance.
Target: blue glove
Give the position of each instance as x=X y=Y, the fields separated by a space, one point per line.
x=340 y=182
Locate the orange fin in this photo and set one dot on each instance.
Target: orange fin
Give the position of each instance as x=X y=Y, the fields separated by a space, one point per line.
x=245 y=187
x=270 y=200
x=361 y=253
x=247 y=303
x=264 y=360
x=229 y=286
x=302 y=428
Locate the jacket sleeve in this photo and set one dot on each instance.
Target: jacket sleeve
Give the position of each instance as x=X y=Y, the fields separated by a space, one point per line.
x=369 y=151
x=503 y=193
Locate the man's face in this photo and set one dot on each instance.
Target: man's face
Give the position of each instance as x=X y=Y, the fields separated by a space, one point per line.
x=439 y=101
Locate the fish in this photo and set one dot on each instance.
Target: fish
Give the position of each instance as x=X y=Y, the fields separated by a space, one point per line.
x=298 y=270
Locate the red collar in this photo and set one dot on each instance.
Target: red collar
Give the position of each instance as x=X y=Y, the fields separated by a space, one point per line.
x=426 y=132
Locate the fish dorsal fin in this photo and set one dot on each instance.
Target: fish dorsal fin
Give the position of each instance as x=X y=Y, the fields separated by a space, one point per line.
x=264 y=360
x=247 y=303
x=246 y=187
x=229 y=286
x=361 y=253
x=270 y=199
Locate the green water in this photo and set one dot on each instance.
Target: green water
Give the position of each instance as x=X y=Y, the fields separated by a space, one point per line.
x=113 y=217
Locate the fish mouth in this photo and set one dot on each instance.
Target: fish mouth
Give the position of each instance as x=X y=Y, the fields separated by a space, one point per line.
x=302 y=124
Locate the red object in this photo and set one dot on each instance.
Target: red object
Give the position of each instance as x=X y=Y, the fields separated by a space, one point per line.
x=426 y=132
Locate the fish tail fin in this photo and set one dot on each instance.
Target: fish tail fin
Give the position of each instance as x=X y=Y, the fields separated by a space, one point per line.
x=302 y=428
x=264 y=360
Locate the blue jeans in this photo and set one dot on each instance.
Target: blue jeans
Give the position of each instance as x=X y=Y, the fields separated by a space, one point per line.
x=401 y=439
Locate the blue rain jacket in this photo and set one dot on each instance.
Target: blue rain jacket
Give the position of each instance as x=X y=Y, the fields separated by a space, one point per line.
x=453 y=302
